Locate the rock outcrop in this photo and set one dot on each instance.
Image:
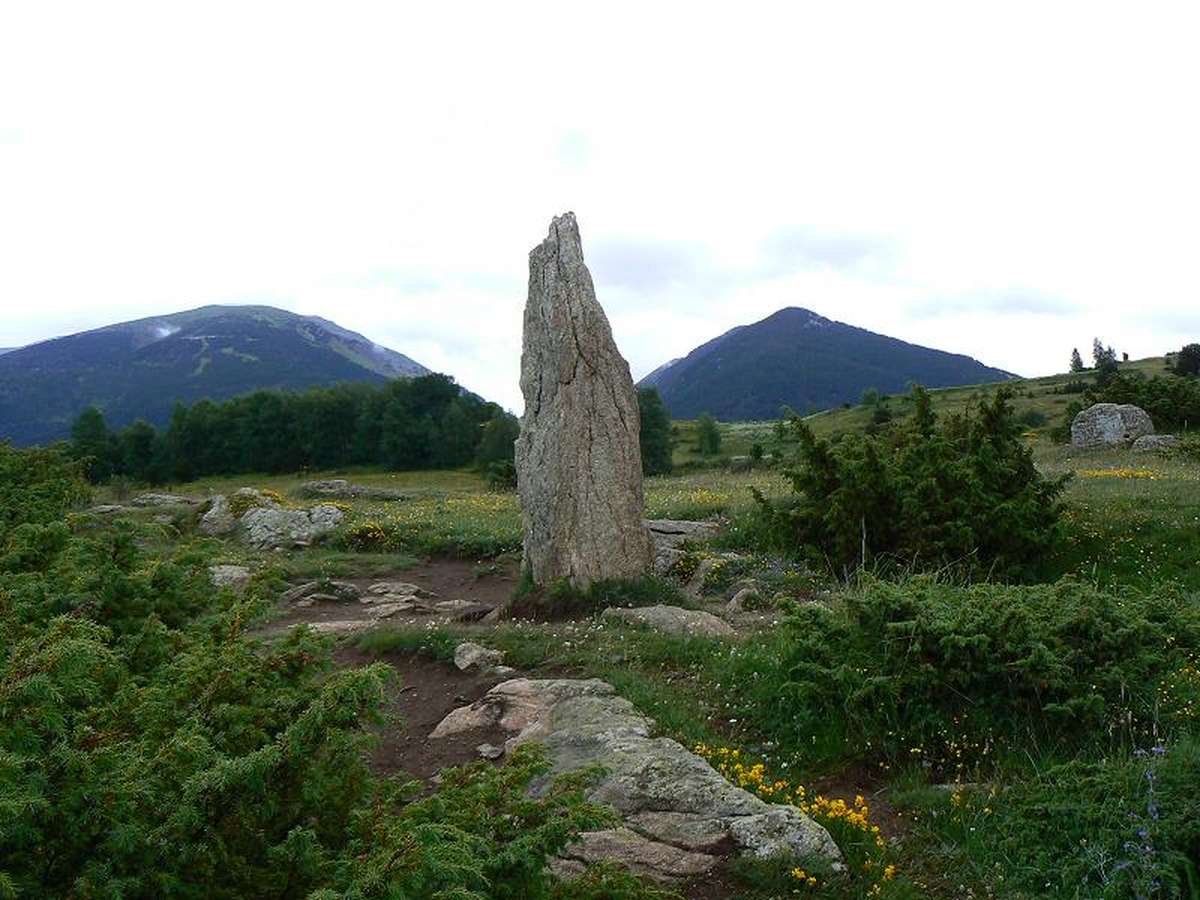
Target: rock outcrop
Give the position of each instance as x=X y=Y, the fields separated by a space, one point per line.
x=1149 y=442
x=341 y=489
x=579 y=468
x=219 y=518
x=158 y=499
x=267 y=527
x=1109 y=425
x=236 y=577
x=669 y=535
x=679 y=813
x=673 y=620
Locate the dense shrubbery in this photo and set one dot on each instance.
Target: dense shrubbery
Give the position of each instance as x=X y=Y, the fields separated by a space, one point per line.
x=962 y=491
x=149 y=749
x=417 y=423
x=893 y=667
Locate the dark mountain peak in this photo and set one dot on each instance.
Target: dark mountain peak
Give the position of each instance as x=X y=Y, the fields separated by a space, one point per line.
x=800 y=359
x=139 y=369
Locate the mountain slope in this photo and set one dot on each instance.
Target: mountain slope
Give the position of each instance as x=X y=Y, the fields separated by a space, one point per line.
x=140 y=369
x=799 y=359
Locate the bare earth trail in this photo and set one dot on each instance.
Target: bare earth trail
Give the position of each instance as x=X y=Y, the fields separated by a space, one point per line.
x=426 y=690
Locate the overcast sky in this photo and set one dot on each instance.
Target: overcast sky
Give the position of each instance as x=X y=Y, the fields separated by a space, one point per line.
x=1004 y=180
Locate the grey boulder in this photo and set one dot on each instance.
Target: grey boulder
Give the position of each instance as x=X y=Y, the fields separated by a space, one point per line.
x=219 y=519
x=1109 y=425
x=267 y=527
x=1149 y=442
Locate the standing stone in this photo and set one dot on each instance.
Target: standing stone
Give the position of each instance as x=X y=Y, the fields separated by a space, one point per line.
x=579 y=466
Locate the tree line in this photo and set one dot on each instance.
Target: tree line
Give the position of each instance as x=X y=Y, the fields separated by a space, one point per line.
x=418 y=423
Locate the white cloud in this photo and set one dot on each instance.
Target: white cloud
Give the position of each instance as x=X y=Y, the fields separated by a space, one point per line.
x=904 y=167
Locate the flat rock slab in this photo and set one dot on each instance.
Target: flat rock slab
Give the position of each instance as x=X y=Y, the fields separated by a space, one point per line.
x=341 y=489
x=1155 y=442
x=679 y=812
x=153 y=499
x=674 y=532
x=672 y=620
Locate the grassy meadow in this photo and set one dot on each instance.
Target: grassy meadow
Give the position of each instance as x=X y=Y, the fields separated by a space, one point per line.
x=959 y=739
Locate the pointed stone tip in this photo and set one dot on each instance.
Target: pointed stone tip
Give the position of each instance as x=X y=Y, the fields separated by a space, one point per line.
x=564 y=223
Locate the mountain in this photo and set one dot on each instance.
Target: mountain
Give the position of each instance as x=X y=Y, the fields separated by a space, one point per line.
x=799 y=359
x=140 y=369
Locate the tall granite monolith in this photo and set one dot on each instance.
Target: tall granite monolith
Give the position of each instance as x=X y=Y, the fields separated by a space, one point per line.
x=579 y=466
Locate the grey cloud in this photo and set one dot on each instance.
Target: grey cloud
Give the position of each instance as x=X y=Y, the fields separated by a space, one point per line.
x=1004 y=300
x=642 y=265
x=806 y=248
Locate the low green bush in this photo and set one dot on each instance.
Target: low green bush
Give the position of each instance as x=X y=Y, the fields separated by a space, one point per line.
x=150 y=748
x=963 y=491
x=956 y=675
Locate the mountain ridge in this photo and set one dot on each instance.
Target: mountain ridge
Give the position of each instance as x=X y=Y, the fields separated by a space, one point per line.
x=799 y=359
x=141 y=368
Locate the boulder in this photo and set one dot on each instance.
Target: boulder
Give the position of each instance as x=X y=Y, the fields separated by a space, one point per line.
x=669 y=536
x=235 y=577
x=219 y=519
x=672 y=620
x=157 y=499
x=1148 y=442
x=474 y=656
x=578 y=461
x=267 y=527
x=744 y=599
x=1109 y=425
x=341 y=489
x=676 y=807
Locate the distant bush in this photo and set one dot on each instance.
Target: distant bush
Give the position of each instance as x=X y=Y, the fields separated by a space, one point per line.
x=656 y=433
x=1172 y=402
x=708 y=435
x=1187 y=361
x=1032 y=418
x=501 y=475
x=963 y=491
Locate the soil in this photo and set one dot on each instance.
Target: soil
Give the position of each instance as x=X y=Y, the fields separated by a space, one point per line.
x=425 y=692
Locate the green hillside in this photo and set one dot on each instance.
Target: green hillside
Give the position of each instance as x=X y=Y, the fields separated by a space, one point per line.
x=141 y=369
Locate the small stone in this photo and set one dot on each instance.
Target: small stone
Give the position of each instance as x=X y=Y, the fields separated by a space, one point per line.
x=744 y=599
x=489 y=751
x=468 y=655
x=399 y=587
x=301 y=590
x=219 y=519
x=235 y=577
